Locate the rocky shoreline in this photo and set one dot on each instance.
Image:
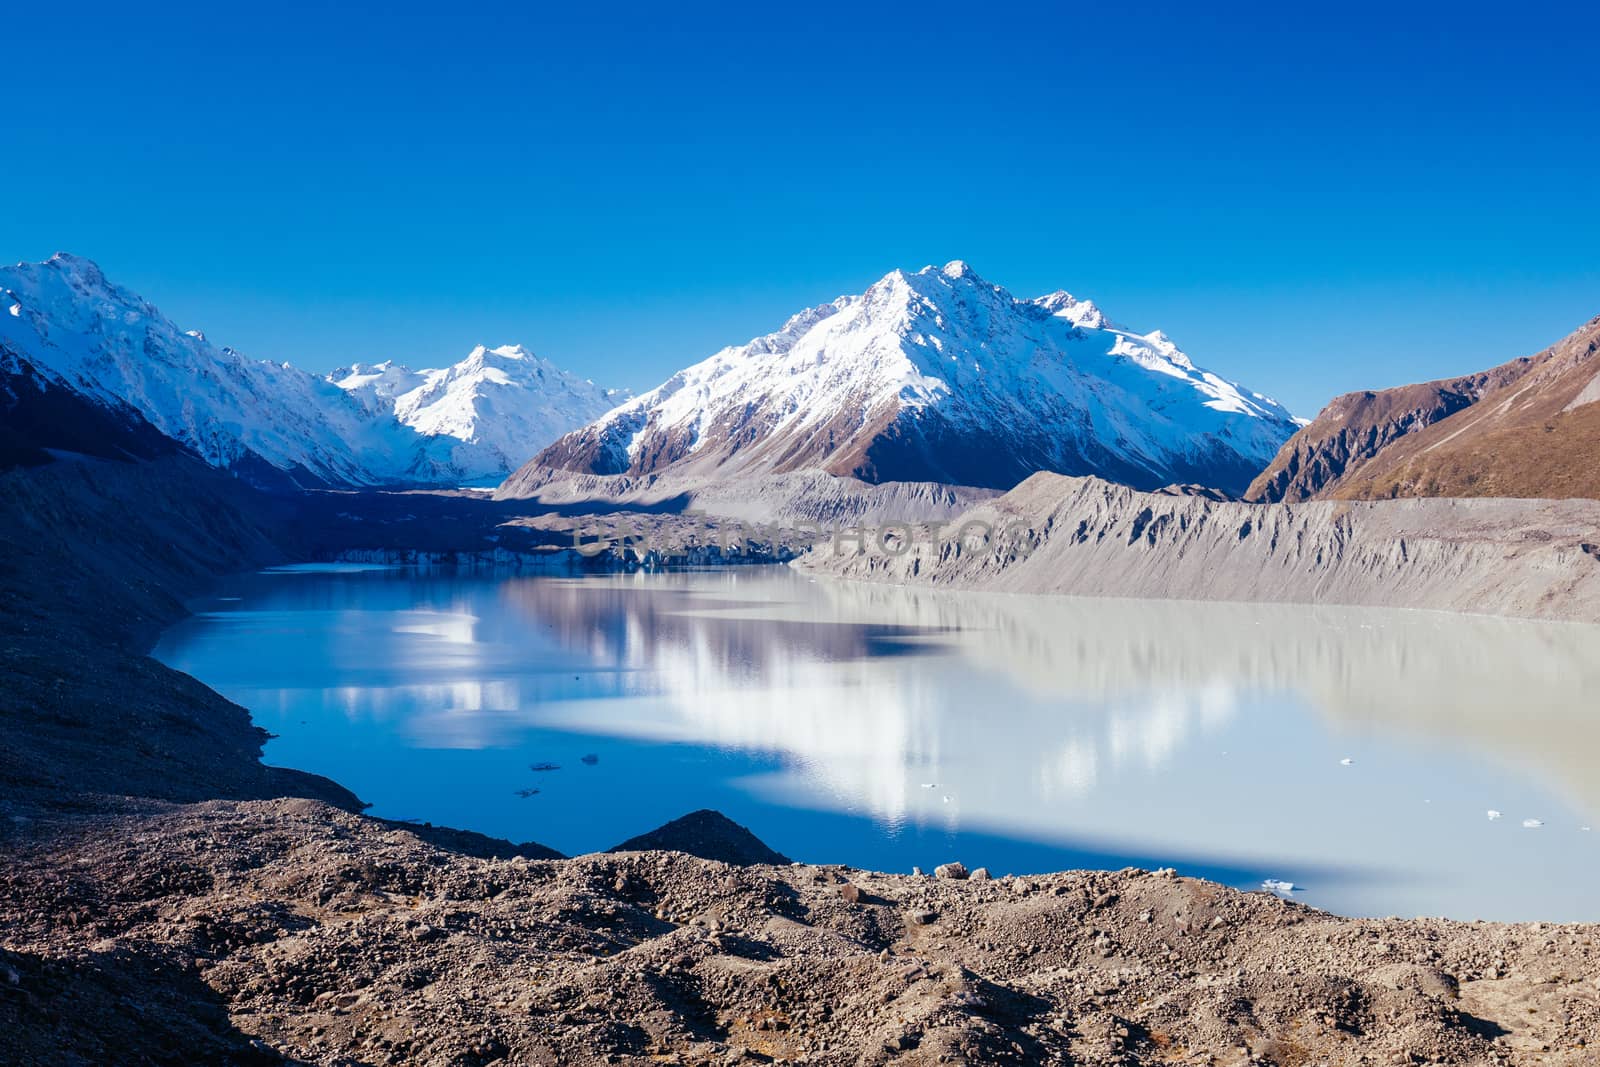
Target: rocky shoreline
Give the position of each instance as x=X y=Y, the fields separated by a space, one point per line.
x=164 y=901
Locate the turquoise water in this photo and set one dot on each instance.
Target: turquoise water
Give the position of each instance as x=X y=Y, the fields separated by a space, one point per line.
x=886 y=728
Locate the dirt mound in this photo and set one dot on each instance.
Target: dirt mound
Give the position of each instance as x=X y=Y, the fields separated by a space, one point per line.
x=709 y=835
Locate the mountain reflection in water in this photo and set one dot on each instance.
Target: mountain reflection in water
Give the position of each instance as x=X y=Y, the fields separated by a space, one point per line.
x=894 y=724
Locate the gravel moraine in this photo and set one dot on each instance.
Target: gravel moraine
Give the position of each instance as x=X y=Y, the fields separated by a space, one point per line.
x=292 y=931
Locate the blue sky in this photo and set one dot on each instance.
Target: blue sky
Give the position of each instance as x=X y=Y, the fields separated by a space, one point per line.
x=1310 y=199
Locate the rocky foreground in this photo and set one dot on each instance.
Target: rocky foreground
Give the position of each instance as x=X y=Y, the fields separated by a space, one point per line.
x=291 y=931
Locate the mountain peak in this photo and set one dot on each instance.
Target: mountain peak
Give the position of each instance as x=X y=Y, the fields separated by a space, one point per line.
x=1058 y=300
x=76 y=268
x=941 y=376
x=898 y=279
x=1063 y=304
x=68 y=259
x=361 y=424
x=487 y=413
x=955 y=270
x=483 y=356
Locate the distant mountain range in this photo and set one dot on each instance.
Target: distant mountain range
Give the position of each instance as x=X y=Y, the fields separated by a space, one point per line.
x=940 y=376
x=499 y=405
x=933 y=377
x=936 y=376
x=64 y=326
x=1527 y=428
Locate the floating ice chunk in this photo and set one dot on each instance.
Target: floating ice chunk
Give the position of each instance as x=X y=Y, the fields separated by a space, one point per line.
x=1278 y=886
x=1532 y=824
x=1494 y=814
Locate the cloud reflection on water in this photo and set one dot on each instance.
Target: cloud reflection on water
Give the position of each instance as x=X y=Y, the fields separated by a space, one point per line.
x=1151 y=728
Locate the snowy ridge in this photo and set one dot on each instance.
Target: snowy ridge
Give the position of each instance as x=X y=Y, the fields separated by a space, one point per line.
x=78 y=330
x=102 y=341
x=499 y=405
x=942 y=376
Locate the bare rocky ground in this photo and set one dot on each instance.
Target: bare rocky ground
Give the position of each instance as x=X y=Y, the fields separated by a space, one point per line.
x=213 y=921
x=291 y=931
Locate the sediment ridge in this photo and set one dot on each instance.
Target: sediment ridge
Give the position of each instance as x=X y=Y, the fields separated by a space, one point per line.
x=1083 y=536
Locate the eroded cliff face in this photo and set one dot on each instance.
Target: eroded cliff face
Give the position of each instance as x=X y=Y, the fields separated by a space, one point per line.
x=1087 y=537
x=1528 y=428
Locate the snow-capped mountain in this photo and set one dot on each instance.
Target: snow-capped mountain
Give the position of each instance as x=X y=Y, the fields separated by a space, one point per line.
x=499 y=405
x=942 y=376
x=78 y=329
x=377 y=386
x=271 y=422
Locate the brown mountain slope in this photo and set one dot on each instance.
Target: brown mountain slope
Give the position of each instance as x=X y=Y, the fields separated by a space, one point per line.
x=1528 y=428
x=1351 y=430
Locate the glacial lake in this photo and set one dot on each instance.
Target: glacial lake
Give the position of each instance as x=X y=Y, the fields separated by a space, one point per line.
x=1357 y=754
